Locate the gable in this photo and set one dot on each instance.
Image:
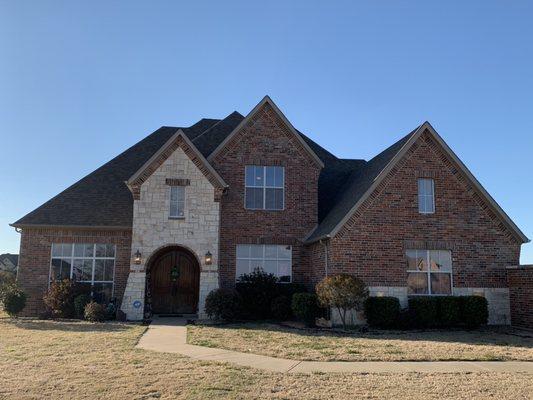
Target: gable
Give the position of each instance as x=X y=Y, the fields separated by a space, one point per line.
x=266 y=109
x=178 y=141
x=408 y=145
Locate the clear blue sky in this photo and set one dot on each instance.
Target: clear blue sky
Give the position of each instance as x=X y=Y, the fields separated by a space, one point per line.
x=82 y=81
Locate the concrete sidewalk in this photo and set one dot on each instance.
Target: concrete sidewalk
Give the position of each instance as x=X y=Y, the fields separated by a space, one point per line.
x=169 y=335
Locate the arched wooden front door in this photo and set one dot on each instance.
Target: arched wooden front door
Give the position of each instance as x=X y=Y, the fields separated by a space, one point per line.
x=175 y=282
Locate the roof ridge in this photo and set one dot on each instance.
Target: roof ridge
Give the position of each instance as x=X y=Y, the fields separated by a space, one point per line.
x=211 y=127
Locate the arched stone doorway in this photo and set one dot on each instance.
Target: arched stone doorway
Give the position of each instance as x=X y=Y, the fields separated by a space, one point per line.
x=172 y=282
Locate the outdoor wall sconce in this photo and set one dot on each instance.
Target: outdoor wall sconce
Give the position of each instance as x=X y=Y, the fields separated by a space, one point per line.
x=208 y=258
x=137 y=258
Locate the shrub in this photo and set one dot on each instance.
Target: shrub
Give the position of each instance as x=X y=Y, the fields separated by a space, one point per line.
x=290 y=289
x=13 y=299
x=305 y=307
x=382 y=312
x=343 y=292
x=281 y=308
x=448 y=311
x=80 y=301
x=223 y=304
x=111 y=311
x=257 y=290
x=59 y=299
x=7 y=278
x=95 y=312
x=423 y=311
x=474 y=311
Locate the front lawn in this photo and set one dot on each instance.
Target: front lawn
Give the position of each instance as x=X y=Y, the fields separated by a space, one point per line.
x=79 y=360
x=274 y=340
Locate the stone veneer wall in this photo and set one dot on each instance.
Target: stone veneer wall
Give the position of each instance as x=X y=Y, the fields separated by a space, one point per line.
x=152 y=230
x=498 y=300
x=520 y=280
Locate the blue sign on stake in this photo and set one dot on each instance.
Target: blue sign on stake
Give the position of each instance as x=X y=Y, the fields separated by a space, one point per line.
x=137 y=304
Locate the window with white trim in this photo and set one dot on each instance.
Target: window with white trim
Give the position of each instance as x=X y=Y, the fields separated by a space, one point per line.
x=273 y=259
x=177 y=202
x=264 y=188
x=426 y=196
x=87 y=263
x=429 y=272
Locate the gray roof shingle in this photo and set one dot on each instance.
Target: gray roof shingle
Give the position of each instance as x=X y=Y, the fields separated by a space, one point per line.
x=362 y=176
x=101 y=199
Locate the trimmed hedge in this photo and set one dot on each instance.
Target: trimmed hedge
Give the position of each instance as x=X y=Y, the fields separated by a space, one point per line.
x=448 y=311
x=427 y=312
x=305 y=307
x=257 y=291
x=424 y=311
x=475 y=311
x=223 y=304
x=281 y=308
x=382 y=312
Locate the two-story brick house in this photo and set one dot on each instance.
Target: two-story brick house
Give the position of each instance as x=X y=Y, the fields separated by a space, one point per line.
x=187 y=210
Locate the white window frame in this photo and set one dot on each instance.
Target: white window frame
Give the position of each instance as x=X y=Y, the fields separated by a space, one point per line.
x=264 y=187
x=177 y=201
x=429 y=272
x=72 y=257
x=426 y=195
x=263 y=258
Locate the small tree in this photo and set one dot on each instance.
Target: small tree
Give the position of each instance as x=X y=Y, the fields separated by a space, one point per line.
x=343 y=292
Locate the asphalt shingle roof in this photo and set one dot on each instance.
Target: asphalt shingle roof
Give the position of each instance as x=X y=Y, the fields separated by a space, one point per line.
x=362 y=176
x=14 y=258
x=102 y=199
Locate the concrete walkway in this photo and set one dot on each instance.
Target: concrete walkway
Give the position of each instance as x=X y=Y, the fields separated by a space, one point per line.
x=169 y=335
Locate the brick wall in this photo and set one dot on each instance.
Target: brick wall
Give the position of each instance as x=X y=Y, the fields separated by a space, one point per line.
x=521 y=293
x=35 y=252
x=372 y=243
x=266 y=140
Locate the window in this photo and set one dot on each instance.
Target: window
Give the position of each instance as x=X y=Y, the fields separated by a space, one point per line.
x=429 y=272
x=273 y=259
x=177 y=202
x=89 y=264
x=426 y=196
x=264 y=188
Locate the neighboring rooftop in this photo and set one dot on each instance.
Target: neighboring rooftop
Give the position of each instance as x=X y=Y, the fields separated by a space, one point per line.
x=13 y=258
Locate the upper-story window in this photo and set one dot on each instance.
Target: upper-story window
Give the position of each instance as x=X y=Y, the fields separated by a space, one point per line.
x=426 y=196
x=264 y=188
x=177 y=202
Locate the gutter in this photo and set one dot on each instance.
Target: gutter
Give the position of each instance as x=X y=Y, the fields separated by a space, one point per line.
x=86 y=227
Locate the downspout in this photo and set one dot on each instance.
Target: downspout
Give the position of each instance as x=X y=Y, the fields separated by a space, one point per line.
x=325 y=242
